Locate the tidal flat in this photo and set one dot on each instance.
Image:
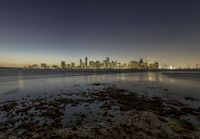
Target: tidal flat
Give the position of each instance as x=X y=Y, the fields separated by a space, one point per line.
x=143 y=105
x=103 y=111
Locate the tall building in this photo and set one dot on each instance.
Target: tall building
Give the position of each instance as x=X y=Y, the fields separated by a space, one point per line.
x=107 y=62
x=35 y=66
x=54 y=67
x=153 y=65
x=113 y=64
x=124 y=66
x=86 y=62
x=188 y=66
x=164 y=66
x=92 y=65
x=98 y=64
x=141 y=63
x=44 y=66
x=68 y=66
x=156 y=65
x=73 y=66
x=198 y=66
x=81 y=64
x=62 y=64
x=119 y=65
x=133 y=65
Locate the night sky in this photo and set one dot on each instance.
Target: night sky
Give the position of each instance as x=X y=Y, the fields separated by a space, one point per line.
x=35 y=31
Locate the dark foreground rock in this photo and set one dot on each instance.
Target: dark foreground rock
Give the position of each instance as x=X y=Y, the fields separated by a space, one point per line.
x=107 y=113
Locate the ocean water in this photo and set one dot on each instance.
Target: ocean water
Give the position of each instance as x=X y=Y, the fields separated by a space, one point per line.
x=174 y=85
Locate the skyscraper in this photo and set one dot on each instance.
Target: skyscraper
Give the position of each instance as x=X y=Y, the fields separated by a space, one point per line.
x=86 y=62
x=43 y=65
x=81 y=64
x=62 y=64
x=198 y=66
x=107 y=62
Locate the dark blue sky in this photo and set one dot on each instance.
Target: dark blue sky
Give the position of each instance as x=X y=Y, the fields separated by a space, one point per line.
x=34 y=31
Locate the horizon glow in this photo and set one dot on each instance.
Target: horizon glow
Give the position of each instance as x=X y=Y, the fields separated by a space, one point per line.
x=49 y=31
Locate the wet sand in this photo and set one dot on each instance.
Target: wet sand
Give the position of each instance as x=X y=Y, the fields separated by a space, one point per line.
x=103 y=111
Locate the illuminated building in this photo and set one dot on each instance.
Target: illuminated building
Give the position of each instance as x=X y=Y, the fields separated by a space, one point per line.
x=107 y=63
x=141 y=64
x=54 y=67
x=73 y=66
x=68 y=66
x=92 y=65
x=34 y=66
x=119 y=65
x=98 y=65
x=188 y=66
x=153 y=65
x=198 y=66
x=86 y=63
x=81 y=64
x=124 y=66
x=44 y=66
x=112 y=65
x=62 y=64
x=133 y=65
x=164 y=66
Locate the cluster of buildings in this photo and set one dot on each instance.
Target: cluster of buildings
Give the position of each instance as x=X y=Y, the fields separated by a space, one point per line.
x=198 y=66
x=105 y=64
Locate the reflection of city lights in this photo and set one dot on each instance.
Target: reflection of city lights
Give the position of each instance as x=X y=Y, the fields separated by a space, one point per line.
x=152 y=77
x=20 y=82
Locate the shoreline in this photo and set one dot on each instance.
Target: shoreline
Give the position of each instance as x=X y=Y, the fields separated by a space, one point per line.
x=15 y=72
x=104 y=112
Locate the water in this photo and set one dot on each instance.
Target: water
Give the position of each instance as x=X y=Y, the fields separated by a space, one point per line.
x=177 y=85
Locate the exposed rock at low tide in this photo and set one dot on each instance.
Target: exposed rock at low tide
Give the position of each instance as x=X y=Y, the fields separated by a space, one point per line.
x=107 y=113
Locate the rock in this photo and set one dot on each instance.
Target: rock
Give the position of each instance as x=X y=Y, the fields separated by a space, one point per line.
x=8 y=106
x=82 y=115
x=25 y=109
x=105 y=114
x=181 y=126
x=190 y=98
x=165 y=89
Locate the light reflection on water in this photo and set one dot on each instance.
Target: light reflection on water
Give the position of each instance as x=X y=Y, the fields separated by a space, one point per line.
x=20 y=81
x=140 y=82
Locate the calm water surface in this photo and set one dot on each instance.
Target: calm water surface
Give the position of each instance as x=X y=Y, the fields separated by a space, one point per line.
x=176 y=85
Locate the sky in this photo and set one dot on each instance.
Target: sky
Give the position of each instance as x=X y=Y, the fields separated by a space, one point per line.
x=35 y=31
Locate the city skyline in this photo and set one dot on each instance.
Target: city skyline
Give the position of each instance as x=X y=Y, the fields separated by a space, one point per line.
x=107 y=63
x=50 y=31
x=162 y=64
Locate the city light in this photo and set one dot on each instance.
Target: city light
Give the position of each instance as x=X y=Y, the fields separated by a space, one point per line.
x=105 y=64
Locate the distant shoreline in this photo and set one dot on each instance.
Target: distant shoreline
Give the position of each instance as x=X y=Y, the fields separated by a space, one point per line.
x=7 y=72
x=96 y=70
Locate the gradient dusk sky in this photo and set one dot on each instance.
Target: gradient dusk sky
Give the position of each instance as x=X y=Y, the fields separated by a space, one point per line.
x=35 y=31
